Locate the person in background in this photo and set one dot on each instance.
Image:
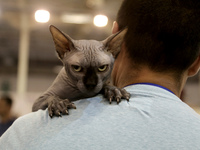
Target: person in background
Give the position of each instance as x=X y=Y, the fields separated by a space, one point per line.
x=6 y=118
x=161 y=50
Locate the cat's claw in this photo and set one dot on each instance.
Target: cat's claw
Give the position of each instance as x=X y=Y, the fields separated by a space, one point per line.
x=114 y=93
x=58 y=107
x=125 y=94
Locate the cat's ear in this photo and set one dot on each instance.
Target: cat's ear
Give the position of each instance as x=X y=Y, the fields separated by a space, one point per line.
x=114 y=42
x=63 y=43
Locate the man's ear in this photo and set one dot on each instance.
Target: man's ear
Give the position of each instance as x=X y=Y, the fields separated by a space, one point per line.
x=63 y=43
x=115 y=27
x=194 y=68
x=113 y=43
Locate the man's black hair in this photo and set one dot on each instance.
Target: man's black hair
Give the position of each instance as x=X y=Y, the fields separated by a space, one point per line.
x=163 y=34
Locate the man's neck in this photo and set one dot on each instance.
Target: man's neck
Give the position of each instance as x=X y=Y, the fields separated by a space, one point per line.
x=145 y=76
x=124 y=74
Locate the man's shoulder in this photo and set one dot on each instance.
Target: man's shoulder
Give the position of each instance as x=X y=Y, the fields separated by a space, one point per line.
x=30 y=119
x=81 y=105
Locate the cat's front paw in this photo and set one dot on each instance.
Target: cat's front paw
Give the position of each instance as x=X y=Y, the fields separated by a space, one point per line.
x=114 y=93
x=58 y=107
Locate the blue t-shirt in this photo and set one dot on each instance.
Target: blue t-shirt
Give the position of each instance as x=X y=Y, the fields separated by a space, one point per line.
x=153 y=119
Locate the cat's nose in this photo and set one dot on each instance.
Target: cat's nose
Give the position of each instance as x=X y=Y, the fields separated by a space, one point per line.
x=90 y=79
x=90 y=84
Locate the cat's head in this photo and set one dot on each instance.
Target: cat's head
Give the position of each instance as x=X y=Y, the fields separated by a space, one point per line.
x=88 y=63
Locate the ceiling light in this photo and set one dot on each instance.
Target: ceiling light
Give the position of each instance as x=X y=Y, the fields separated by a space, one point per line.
x=42 y=16
x=100 y=20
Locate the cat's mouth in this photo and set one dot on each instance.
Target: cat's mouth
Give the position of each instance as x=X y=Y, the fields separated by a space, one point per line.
x=90 y=87
x=90 y=90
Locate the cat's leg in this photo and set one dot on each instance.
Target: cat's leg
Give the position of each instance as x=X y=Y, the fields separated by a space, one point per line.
x=41 y=103
x=114 y=93
x=58 y=107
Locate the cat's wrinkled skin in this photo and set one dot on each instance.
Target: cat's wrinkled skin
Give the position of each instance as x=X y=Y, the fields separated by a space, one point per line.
x=87 y=66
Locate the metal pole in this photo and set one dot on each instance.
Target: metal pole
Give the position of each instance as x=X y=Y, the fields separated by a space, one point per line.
x=23 y=56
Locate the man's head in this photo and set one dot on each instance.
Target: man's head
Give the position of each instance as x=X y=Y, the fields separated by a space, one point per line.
x=5 y=105
x=162 y=34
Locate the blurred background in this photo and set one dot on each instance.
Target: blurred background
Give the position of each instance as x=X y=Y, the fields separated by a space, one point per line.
x=28 y=64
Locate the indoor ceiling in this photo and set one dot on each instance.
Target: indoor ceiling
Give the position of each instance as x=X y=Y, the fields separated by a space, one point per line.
x=41 y=48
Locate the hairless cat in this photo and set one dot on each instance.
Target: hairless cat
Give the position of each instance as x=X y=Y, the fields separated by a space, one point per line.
x=87 y=66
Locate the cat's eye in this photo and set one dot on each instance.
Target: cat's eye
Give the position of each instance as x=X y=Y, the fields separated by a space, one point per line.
x=77 y=68
x=102 y=68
